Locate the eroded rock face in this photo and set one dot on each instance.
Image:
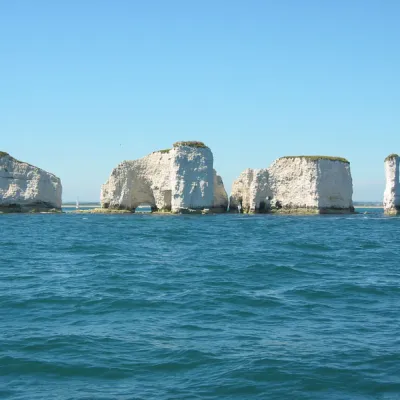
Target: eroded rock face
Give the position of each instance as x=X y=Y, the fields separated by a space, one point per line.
x=220 y=200
x=192 y=178
x=302 y=184
x=143 y=181
x=26 y=188
x=174 y=180
x=251 y=191
x=391 y=197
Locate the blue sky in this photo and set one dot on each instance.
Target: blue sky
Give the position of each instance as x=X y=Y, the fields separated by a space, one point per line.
x=85 y=84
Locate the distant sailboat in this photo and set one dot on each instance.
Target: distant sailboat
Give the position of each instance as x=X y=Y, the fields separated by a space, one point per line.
x=77 y=203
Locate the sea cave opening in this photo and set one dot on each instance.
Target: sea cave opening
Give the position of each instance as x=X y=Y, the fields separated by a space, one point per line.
x=144 y=208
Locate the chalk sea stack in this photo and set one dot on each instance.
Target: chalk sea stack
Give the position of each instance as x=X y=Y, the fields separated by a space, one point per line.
x=295 y=184
x=26 y=188
x=391 y=197
x=180 y=179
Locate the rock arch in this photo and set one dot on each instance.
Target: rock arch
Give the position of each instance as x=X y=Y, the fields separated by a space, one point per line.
x=174 y=180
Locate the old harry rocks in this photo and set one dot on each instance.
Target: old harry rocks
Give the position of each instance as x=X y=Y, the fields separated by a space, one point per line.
x=302 y=184
x=391 y=197
x=172 y=180
x=26 y=188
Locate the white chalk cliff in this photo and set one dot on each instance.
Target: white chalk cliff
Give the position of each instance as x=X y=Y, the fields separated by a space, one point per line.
x=178 y=179
x=295 y=184
x=391 y=197
x=24 y=187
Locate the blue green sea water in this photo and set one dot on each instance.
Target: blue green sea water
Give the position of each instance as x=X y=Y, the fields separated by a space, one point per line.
x=199 y=307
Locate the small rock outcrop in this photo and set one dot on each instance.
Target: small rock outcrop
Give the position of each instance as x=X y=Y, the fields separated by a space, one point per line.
x=303 y=184
x=173 y=180
x=391 y=197
x=25 y=188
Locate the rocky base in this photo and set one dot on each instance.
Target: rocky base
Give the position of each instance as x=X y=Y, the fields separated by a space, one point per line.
x=212 y=210
x=216 y=210
x=39 y=207
x=298 y=211
x=192 y=211
x=337 y=210
x=102 y=211
x=392 y=211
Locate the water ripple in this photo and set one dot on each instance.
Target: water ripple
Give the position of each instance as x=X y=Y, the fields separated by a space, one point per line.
x=192 y=307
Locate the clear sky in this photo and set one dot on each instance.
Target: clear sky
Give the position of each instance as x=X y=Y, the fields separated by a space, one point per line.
x=85 y=84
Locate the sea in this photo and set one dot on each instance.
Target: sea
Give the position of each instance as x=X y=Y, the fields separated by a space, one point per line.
x=199 y=306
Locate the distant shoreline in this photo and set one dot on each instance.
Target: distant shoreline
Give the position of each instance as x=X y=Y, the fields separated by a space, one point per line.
x=368 y=206
x=84 y=205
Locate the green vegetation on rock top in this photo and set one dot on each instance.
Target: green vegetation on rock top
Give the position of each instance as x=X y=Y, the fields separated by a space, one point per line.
x=162 y=151
x=391 y=156
x=190 y=144
x=316 y=158
x=3 y=154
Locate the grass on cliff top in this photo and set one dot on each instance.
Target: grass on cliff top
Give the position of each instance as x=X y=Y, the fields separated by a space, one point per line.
x=391 y=156
x=190 y=144
x=162 y=151
x=4 y=154
x=316 y=158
